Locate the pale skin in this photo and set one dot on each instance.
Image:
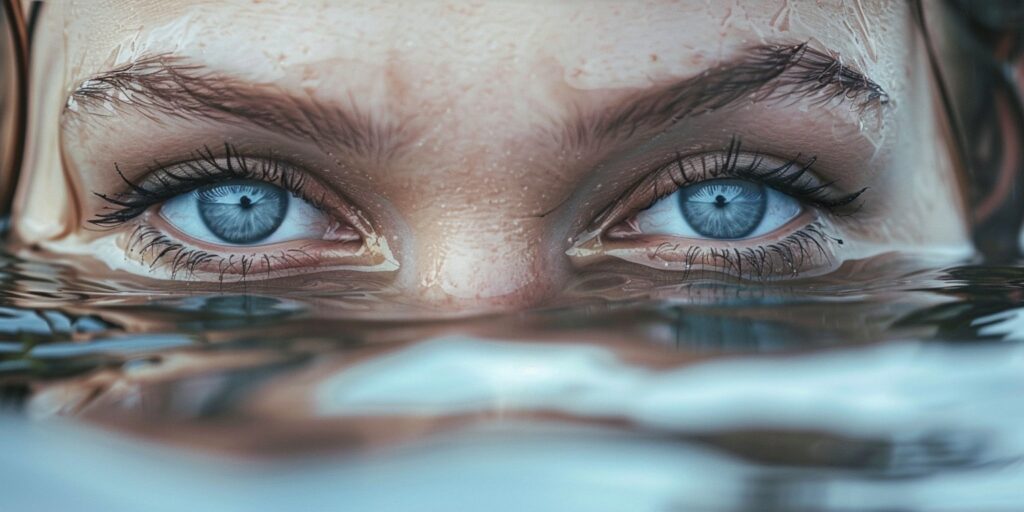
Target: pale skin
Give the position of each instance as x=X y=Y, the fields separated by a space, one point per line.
x=472 y=194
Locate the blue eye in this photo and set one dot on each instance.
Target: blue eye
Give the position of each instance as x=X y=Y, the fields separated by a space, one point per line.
x=722 y=209
x=244 y=212
x=241 y=212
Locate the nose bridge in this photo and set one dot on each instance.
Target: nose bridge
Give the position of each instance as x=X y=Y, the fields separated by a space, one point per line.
x=473 y=242
x=475 y=239
x=483 y=260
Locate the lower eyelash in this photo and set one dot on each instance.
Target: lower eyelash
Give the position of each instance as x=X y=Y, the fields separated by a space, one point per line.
x=149 y=243
x=785 y=258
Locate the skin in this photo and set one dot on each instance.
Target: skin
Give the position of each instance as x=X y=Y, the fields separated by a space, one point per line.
x=482 y=208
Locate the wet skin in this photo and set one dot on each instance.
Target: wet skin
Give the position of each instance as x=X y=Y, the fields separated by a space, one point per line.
x=484 y=157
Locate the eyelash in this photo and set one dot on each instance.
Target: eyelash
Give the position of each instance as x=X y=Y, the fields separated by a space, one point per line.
x=790 y=178
x=760 y=262
x=163 y=182
x=187 y=260
x=168 y=181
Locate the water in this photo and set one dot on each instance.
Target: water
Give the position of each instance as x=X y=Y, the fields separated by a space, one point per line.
x=899 y=392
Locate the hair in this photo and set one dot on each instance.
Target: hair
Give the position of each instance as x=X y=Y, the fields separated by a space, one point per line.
x=978 y=65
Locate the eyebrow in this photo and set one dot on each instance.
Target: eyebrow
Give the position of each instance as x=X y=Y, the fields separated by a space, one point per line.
x=168 y=85
x=775 y=72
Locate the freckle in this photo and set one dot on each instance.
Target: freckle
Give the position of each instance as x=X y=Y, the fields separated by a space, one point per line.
x=654 y=57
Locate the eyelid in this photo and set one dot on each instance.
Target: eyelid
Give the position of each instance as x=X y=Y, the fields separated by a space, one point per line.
x=794 y=177
x=805 y=244
x=161 y=182
x=352 y=245
x=158 y=245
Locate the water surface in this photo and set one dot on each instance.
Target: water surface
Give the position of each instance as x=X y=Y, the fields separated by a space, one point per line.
x=901 y=392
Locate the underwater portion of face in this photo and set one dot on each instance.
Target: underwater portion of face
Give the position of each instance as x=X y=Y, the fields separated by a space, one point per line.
x=496 y=155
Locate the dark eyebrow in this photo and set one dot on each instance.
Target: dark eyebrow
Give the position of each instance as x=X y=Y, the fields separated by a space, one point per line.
x=165 y=85
x=762 y=73
x=169 y=86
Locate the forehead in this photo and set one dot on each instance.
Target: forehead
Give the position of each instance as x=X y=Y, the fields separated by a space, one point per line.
x=587 y=45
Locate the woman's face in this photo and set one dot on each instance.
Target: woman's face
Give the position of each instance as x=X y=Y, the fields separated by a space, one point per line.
x=484 y=156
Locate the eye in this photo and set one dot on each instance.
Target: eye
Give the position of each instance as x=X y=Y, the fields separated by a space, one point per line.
x=244 y=212
x=729 y=213
x=216 y=215
x=719 y=209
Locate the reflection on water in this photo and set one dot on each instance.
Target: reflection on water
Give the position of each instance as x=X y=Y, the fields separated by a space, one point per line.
x=904 y=393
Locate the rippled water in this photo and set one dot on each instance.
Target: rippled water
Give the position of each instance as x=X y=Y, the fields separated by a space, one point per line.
x=904 y=392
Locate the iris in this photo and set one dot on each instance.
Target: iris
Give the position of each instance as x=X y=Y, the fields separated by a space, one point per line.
x=723 y=209
x=242 y=212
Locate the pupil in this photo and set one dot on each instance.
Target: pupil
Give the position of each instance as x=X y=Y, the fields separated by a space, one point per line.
x=723 y=209
x=242 y=211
